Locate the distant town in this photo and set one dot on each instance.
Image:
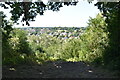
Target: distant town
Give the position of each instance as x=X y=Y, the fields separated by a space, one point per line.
x=59 y=32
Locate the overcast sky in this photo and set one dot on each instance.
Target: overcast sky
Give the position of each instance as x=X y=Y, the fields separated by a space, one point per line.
x=68 y=16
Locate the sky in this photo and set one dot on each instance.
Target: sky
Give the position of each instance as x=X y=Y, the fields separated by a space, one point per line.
x=68 y=16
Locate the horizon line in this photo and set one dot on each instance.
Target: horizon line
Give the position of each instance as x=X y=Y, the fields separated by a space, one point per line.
x=44 y=27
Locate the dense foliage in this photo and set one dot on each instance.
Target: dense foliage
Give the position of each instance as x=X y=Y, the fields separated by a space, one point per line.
x=95 y=40
x=99 y=43
x=15 y=48
x=89 y=46
x=6 y=29
x=29 y=10
x=111 y=12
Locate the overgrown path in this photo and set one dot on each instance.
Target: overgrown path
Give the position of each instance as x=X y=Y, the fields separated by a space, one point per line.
x=57 y=69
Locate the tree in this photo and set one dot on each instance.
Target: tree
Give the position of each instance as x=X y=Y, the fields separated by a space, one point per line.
x=95 y=39
x=30 y=10
x=19 y=42
x=111 y=12
x=91 y=44
x=6 y=28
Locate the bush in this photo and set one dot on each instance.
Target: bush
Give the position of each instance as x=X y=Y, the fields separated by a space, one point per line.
x=70 y=49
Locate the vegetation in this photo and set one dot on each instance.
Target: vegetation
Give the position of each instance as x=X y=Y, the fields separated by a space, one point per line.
x=31 y=9
x=111 y=12
x=43 y=47
x=91 y=45
x=95 y=39
x=99 y=43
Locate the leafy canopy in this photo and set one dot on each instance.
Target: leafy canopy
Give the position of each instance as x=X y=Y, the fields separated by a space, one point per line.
x=29 y=10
